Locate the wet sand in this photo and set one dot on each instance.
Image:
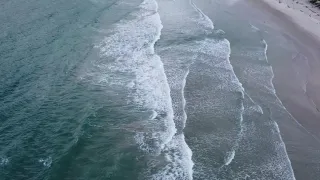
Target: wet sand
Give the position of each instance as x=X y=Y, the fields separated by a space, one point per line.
x=297 y=83
x=293 y=39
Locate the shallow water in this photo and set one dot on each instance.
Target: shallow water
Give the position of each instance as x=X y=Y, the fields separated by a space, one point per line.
x=147 y=89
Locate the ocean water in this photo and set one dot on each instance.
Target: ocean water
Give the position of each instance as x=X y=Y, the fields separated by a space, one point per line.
x=139 y=89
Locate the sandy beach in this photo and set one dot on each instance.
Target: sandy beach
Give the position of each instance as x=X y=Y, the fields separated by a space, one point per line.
x=297 y=80
x=302 y=6
x=292 y=31
x=298 y=84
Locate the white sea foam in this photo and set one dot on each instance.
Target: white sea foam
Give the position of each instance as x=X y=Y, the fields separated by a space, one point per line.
x=183 y=98
x=154 y=114
x=178 y=155
x=280 y=163
x=261 y=74
x=4 y=161
x=129 y=52
x=46 y=162
x=210 y=52
x=221 y=49
x=195 y=22
x=229 y=157
x=254 y=108
x=254 y=28
x=205 y=20
x=216 y=54
x=128 y=62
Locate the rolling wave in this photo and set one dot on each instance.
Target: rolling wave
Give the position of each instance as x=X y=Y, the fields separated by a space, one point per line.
x=186 y=71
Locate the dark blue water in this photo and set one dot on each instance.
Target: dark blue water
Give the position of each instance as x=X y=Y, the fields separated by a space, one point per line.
x=131 y=90
x=53 y=125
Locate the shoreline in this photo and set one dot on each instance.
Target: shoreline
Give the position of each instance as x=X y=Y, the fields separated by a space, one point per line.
x=304 y=64
x=298 y=124
x=296 y=83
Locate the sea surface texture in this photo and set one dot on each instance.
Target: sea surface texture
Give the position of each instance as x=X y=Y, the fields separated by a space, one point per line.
x=134 y=90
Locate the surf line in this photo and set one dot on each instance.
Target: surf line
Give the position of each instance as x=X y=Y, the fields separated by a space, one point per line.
x=204 y=16
x=282 y=106
x=231 y=154
x=275 y=123
x=170 y=147
x=172 y=129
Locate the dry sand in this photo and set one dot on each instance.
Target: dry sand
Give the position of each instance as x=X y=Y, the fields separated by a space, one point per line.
x=301 y=12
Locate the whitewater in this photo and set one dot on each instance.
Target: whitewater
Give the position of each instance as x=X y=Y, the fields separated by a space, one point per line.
x=151 y=55
x=139 y=89
x=156 y=90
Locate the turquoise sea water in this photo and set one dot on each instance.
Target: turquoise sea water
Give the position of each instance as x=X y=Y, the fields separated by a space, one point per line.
x=122 y=89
